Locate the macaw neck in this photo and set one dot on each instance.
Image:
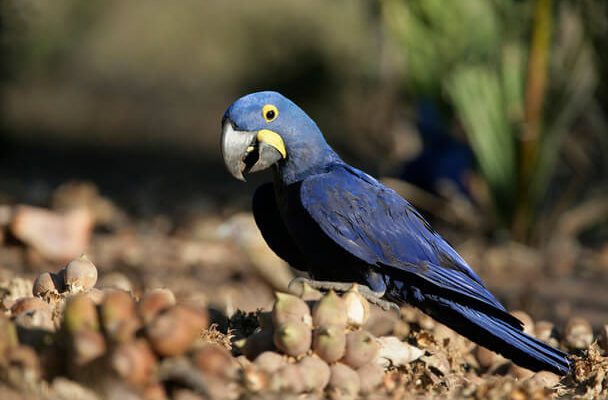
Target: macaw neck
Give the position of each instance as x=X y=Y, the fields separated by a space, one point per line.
x=305 y=161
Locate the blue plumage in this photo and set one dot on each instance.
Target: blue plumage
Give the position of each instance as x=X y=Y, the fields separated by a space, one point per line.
x=339 y=224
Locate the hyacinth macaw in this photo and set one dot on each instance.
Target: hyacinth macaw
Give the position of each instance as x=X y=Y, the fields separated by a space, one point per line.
x=342 y=226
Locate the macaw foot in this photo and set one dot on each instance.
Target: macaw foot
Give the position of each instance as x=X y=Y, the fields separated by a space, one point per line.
x=366 y=292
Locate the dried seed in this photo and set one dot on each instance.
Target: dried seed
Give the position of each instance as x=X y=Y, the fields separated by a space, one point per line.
x=174 y=330
x=293 y=338
x=357 y=307
x=134 y=362
x=256 y=344
x=290 y=308
x=329 y=343
x=270 y=361
x=370 y=377
x=80 y=313
x=80 y=275
x=315 y=373
x=214 y=360
x=361 y=348
x=329 y=311
x=154 y=301
x=118 y=316
x=87 y=345
x=344 y=381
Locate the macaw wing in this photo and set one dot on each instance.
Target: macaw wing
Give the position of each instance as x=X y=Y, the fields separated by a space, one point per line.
x=375 y=224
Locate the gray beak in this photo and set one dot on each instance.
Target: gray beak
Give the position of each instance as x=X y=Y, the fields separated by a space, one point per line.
x=243 y=153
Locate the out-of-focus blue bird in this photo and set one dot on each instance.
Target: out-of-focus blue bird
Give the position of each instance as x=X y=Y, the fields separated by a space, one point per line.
x=443 y=159
x=340 y=225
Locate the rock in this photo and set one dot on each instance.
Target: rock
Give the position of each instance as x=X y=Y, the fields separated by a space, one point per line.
x=56 y=236
x=395 y=352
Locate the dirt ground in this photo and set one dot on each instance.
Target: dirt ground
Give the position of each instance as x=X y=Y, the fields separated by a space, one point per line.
x=159 y=230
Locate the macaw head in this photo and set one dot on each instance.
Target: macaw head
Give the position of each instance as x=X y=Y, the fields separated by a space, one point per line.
x=266 y=129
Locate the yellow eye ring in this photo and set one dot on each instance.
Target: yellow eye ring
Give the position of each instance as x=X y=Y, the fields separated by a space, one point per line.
x=270 y=112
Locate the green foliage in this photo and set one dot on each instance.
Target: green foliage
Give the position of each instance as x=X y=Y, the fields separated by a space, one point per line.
x=516 y=74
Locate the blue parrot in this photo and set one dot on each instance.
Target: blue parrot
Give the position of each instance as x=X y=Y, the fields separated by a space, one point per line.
x=342 y=226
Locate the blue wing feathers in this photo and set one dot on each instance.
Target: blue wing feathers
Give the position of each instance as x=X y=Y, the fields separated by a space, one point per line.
x=378 y=226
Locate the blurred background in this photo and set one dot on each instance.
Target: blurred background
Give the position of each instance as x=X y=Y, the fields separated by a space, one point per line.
x=489 y=116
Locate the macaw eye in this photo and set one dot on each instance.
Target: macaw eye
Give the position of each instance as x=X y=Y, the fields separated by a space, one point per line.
x=270 y=112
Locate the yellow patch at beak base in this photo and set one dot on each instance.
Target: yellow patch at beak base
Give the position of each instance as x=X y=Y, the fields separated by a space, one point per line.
x=273 y=139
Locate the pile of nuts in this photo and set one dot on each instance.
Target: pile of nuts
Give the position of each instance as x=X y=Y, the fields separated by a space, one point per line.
x=70 y=339
x=314 y=346
x=100 y=337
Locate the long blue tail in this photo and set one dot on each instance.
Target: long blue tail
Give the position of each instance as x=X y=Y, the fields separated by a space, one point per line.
x=492 y=331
